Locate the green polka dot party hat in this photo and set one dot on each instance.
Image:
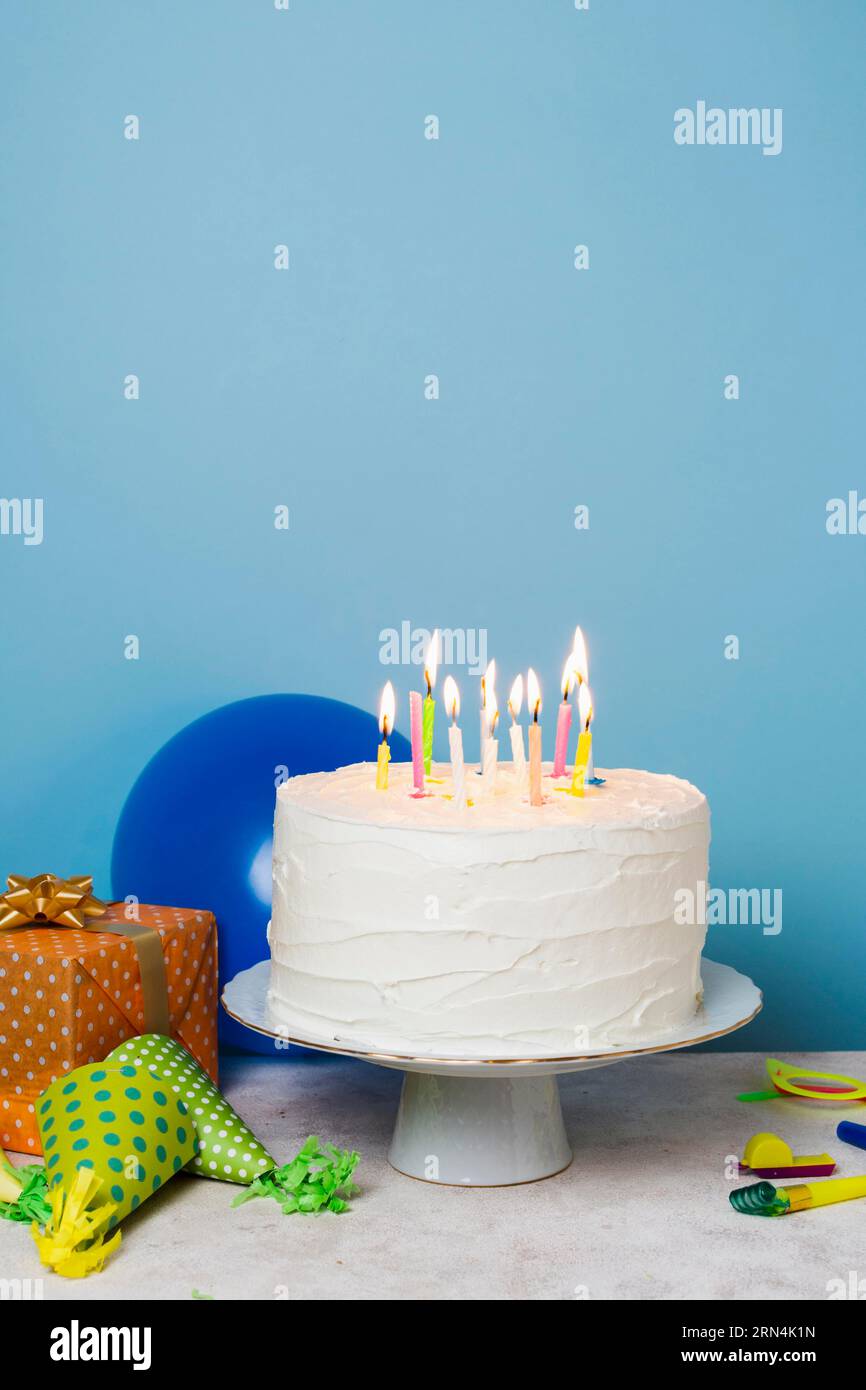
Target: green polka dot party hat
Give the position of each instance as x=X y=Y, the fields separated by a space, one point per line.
x=114 y=1132
x=225 y=1147
x=112 y=1135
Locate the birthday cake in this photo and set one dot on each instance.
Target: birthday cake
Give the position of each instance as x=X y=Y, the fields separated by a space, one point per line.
x=498 y=929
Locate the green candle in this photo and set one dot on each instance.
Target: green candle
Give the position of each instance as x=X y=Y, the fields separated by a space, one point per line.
x=431 y=662
x=429 y=717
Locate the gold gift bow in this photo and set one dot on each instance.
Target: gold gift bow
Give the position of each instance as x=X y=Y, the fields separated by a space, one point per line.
x=46 y=899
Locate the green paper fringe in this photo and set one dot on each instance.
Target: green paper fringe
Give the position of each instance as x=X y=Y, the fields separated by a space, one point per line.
x=316 y=1179
x=32 y=1202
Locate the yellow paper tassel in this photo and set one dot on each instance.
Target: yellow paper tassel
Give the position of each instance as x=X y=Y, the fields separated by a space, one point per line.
x=72 y=1226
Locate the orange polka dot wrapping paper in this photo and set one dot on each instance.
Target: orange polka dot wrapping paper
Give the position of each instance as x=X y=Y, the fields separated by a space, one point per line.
x=70 y=997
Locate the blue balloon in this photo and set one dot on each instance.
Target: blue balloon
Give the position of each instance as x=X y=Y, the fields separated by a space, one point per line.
x=196 y=829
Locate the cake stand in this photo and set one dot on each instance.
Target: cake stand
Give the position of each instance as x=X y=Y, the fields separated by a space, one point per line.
x=489 y=1123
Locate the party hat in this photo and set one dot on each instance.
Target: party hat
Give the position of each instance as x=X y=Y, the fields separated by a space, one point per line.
x=226 y=1147
x=112 y=1135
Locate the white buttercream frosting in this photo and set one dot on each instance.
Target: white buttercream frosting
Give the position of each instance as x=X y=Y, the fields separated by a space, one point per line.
x=500 y=930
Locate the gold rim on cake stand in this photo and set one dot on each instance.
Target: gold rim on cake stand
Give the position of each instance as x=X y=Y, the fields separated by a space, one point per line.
x=399 y=1059
x=496 y=1121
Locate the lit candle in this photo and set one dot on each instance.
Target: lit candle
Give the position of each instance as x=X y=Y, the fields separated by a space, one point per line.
x=490 y=746
x=431 y=662
x=579 y=658
x=488 y=678
x=583 y=758
x=563 y=719
x=386 y=727
x=455 y=742
x=533 y=705
x=417 y=739
x=581 y=670
x=518 y=751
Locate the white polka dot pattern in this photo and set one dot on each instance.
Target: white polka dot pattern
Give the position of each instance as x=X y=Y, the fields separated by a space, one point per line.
x=69 y=997
x=226 y=1148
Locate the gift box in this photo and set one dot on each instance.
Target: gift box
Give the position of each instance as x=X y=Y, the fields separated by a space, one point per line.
x=69 y=995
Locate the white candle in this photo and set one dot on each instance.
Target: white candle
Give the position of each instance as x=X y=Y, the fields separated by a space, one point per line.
x=489 y=761
x=533 y=702
x=490 y=743
x=518 y=748
x=487 y=679
x=455 y=744
x=458 y=769
x=518 y=756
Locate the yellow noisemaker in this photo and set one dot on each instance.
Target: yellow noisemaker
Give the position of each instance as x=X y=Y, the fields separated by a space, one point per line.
x=768 y=1156
x=763 y=1199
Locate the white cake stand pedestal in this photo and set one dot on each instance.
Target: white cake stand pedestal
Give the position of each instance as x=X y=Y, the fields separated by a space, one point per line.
x=487 y=1123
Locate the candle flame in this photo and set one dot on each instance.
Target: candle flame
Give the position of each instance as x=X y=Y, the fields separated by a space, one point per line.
x=569 y=675
x=584 y=705
x=533 y=694
x=491 y=708
x=515 y=699
x=452 y=698
x=387 y=710
x=431 y=661
x=487 y=679
x=579 y=659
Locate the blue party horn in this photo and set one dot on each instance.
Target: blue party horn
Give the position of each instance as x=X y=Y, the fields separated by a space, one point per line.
x=851 y=1133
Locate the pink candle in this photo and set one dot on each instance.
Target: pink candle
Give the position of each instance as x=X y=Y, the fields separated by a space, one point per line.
x=563 y=719
x=563 y=725
x=416 y=733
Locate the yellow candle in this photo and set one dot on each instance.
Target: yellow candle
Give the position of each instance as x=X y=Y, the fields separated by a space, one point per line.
x=581 y=762
x=382 y=766
x=533 y=703
x=583 y=757
x=386 y=726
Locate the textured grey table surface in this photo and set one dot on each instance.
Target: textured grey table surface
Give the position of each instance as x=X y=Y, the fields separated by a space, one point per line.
x=642 y=1213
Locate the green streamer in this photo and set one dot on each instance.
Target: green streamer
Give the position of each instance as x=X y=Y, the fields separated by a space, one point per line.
x=31 y=1203
x=316 y=1179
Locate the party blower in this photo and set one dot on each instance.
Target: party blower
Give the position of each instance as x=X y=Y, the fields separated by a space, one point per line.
x=800 y=1082
x=763 y=1199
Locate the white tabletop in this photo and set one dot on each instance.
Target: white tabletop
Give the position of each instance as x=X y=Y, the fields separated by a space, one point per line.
x=642 y=1213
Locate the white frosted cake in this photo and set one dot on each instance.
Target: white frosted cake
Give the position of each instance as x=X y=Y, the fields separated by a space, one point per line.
x=501 y=930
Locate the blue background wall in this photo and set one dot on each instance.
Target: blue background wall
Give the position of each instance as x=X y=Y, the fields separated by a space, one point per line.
x=558 y=387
